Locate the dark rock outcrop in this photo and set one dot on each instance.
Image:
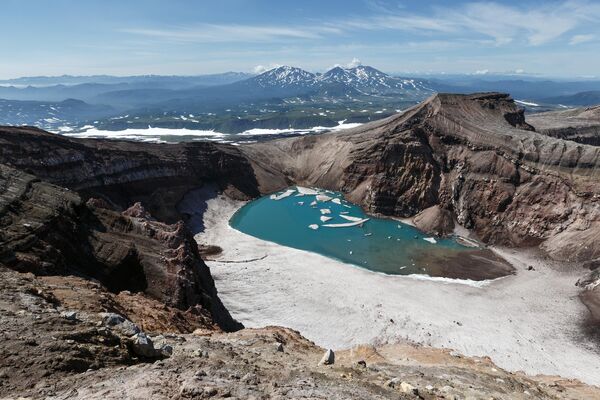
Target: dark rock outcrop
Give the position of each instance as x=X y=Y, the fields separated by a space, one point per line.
x=49 y=230
x=122 y=173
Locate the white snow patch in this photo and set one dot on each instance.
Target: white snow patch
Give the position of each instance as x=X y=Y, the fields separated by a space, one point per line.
x=347 y=224
x=306 y=191
x=283 y=195
x=323 y=197
x=351 y=218
x=527 y=103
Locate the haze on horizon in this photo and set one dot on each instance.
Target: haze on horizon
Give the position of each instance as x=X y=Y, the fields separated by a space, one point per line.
x=555 y=38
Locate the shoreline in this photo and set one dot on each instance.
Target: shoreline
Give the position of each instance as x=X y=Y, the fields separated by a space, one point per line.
x=422 y=277
x=530 y=321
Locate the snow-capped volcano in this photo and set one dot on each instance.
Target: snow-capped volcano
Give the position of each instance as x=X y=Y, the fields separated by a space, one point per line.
x=285 y=76
x=371 y=80
x=360 y=79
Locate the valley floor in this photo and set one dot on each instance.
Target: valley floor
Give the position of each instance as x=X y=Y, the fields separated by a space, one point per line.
x=527 y=322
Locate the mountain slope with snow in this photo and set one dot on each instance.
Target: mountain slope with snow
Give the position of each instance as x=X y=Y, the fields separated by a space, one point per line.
x=361 y=79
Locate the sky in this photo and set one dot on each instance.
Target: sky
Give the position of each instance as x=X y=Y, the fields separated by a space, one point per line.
x=185 y=37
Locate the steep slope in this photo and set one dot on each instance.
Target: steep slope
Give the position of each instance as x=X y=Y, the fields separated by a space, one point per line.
x=581 y=125
x=49 y=230
x=471 y=157
x=125 y=172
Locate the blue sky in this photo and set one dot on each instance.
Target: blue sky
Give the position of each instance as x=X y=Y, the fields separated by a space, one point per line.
x=125 y=37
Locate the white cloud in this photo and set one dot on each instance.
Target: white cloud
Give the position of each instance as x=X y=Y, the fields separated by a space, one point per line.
x=482 y=72
x=259 y=69
x=213 y=33
x=354 y=63
x=504 y=24
x=578 y=39
x=495 y=22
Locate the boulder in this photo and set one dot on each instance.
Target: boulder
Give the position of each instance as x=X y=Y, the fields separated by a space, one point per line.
x=142 y=345
x=120 y=323
x=406 y=387
x=69 y=315
x=328 y=358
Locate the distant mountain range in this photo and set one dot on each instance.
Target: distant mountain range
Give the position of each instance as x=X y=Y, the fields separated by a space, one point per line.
x=363 y=79
x=170 y=81
x=578 y=99
x=282 y=97
x=53 y=114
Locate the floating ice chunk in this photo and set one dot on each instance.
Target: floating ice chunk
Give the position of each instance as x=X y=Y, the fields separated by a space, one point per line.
x=351 y=218
x=336 y=200
x=307 y=191
x=314 y=203
x=324 y=218
x=344 y=212
x=346 y=225
x=430 y=240
x=282 y=195
x=325 y=211
x=300 y=203
x=346 y=205
x=313 y=226
x=323 y=197
x=368 y=234
x=350 y=252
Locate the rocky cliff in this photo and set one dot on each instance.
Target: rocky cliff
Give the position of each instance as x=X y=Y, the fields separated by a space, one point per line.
x=49 y=230
x=472 y=159
x=123 y=173
x=581 y=125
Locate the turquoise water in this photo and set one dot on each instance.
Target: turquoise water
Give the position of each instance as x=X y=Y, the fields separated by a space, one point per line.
x=382 y=245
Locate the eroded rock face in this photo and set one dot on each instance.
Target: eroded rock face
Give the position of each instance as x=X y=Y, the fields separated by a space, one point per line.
x=471 y=155
x=581 y=125
x=49 y=230
x=123 y=173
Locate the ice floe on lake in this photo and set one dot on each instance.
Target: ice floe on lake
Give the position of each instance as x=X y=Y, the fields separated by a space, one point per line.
x=351 y=218
x=323 y=198
x=347 y=224
x=283 y=195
